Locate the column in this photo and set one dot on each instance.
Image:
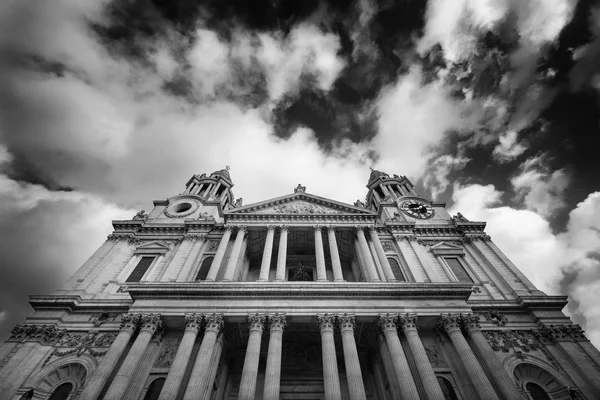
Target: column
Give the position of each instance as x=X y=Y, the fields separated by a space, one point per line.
x=170 y=270
x=273 y=371
x=424 y=368
x=508 y=388
x=150 y=323
x=336 y=265
x=267 y=252
x=250 y=369
x=356 y=386
x=330 y=370
x=451 y=324
x=282 y=255
x=364 y=247
x=235 y=253
x=385 y=264
x=195 y=388
x=389 y=367
x=216 y=264
x=214 y=366
x=192 y=259
x=320 y=255
x=182 y=357
x=96 y=382
x=145 y=365
x=387 y=323
x=411 y=258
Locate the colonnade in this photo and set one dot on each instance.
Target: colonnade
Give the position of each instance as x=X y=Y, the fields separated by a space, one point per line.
x=396 y=364
x=370 y=271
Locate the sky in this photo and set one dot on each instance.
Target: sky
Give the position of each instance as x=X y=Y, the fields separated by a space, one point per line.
x=492 y=106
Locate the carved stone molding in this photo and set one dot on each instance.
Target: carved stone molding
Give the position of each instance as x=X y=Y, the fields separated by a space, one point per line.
x=212 y=246
x=277 y=322
x=44 y=334
x=496 y=317
x=561 y=333
x=256 y=322
x=435 y=358
x=518 y=340
x=408 y=238
x=167 y=353
x=81 y=343
x=346 y=322
x=387 y=322
x=388 y=247
x=408 y=322
x=100 y=318
x=326 y=322
x=193 y=237
x=214 y=322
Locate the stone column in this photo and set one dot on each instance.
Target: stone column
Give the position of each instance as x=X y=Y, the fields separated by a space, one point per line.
x=216 y=264
x=430 y=383
x=273 y=372
x=250 y=369
x=330 y=369
x=364 y=246
x=195 y=388
x=96 y=382
x=320 y=255
x=266 y=258
x=389 y=367
x=451 y=324
x=182 y=357
x=150 y=323
x=356 y=386
x=408 y=388
x=171 y=271
x=214 y=366
x=508 y=388
x=282 y=255
x=195 y=253
x=385 y=264
x=336 y=265
x=235 y=253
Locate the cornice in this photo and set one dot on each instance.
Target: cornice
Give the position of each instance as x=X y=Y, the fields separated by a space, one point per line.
x=77 y=304
x=302 y=218
x=544 y=302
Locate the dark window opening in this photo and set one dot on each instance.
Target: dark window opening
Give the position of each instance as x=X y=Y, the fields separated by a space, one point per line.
x=300 y=274
x=204 y=268
x=140 y=269
x=396 y=270
x=154 y=389
x=536 y=392
x=458 y=269
x=62 y=392
x=220 y=190
x=447 y=389
x=380 y=192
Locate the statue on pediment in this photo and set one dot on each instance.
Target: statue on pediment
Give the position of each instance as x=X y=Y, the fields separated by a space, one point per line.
x=238 y=202
x=459 y=218
x=359 y=203
x=140 y=216
x=300 y=189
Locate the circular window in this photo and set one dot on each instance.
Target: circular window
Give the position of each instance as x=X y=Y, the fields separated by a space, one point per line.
x=181 y=208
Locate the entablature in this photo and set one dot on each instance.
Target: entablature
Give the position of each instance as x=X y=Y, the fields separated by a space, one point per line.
x=78 y=304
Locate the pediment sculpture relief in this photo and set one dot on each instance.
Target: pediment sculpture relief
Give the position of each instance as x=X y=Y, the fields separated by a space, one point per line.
x=300 y=208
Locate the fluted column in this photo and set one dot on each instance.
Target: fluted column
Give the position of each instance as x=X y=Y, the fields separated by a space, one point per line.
x=385 y=264
x=149 y=324
x=266 y=258
x=508 y=388
x=330 y=370
x=96 y=382
x=320 y=255
x=388 y=366
x=424 y=368
x=235 y=253
x=195 y=387
x=336 y=265
x=356 y=386
x=451 y=324
x=282 y=254
x=364 y=246
x=214 y=366
x=182 y=357
x=408 y=388
x=273 y=371
x=216 y=264
x=250 y=370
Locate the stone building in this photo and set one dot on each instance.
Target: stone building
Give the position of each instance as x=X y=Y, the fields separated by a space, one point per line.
x=298 y=297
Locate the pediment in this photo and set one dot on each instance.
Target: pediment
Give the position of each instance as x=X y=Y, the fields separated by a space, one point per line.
x=301 y=204
x=445 y=248
x=153 y=247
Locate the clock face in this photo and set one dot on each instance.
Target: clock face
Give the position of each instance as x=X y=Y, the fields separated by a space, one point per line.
x=417 y=209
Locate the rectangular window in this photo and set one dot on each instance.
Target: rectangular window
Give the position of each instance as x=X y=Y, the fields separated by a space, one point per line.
x=140 y=269
x=458 y=269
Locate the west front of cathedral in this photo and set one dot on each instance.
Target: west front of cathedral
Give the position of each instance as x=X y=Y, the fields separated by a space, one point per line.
x=298 y=297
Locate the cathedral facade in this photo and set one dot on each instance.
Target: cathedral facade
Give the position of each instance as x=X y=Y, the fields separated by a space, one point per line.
x=298 y=297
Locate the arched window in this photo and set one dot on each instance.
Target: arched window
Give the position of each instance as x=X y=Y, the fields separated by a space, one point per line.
x=62 y=392
x=203 y=271
x=536 y=392
x=396 y=270
x=447 y=389
x=154 y=389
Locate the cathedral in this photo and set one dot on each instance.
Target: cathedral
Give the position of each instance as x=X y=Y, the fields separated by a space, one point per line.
x=298 y=297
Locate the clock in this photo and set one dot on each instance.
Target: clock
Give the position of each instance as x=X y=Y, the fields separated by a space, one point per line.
x=417 y=209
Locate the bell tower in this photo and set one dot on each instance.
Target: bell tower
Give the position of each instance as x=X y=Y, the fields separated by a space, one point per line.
x=216 y=187
x=385 y=189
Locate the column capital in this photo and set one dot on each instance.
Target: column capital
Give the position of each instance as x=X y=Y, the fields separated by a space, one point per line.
x=271 y=227
x=151 y=322
x=347 y=322
x=326 y=322
x=256 y=321
x=195 y=236
x=408 y=322
x=192 y=322
x=359 y=228
x=470 y=322
x=387 y=322
x=229 y=228
x=372 y=228
x=331 y=228
x=284 y=228
x=214 y=322
x=277 y=322
x=129 y=322
x=242 y=228
x=317 y=228
x=450 y=322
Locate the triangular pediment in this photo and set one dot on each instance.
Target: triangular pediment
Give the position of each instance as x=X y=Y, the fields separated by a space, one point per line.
x=153 y=247
x=442 y=248
x=303 y=204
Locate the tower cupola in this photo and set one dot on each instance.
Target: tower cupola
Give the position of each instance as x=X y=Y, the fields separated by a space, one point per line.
x=215 y=187
x=386 y=189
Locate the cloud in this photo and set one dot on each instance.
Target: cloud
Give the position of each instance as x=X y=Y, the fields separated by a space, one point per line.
x=508 y=149
x=543 y=256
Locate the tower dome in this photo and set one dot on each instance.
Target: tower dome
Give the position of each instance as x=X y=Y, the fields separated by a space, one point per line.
x=216 y=187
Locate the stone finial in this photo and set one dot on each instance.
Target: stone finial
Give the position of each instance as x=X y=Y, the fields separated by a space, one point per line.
x=300 y=189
